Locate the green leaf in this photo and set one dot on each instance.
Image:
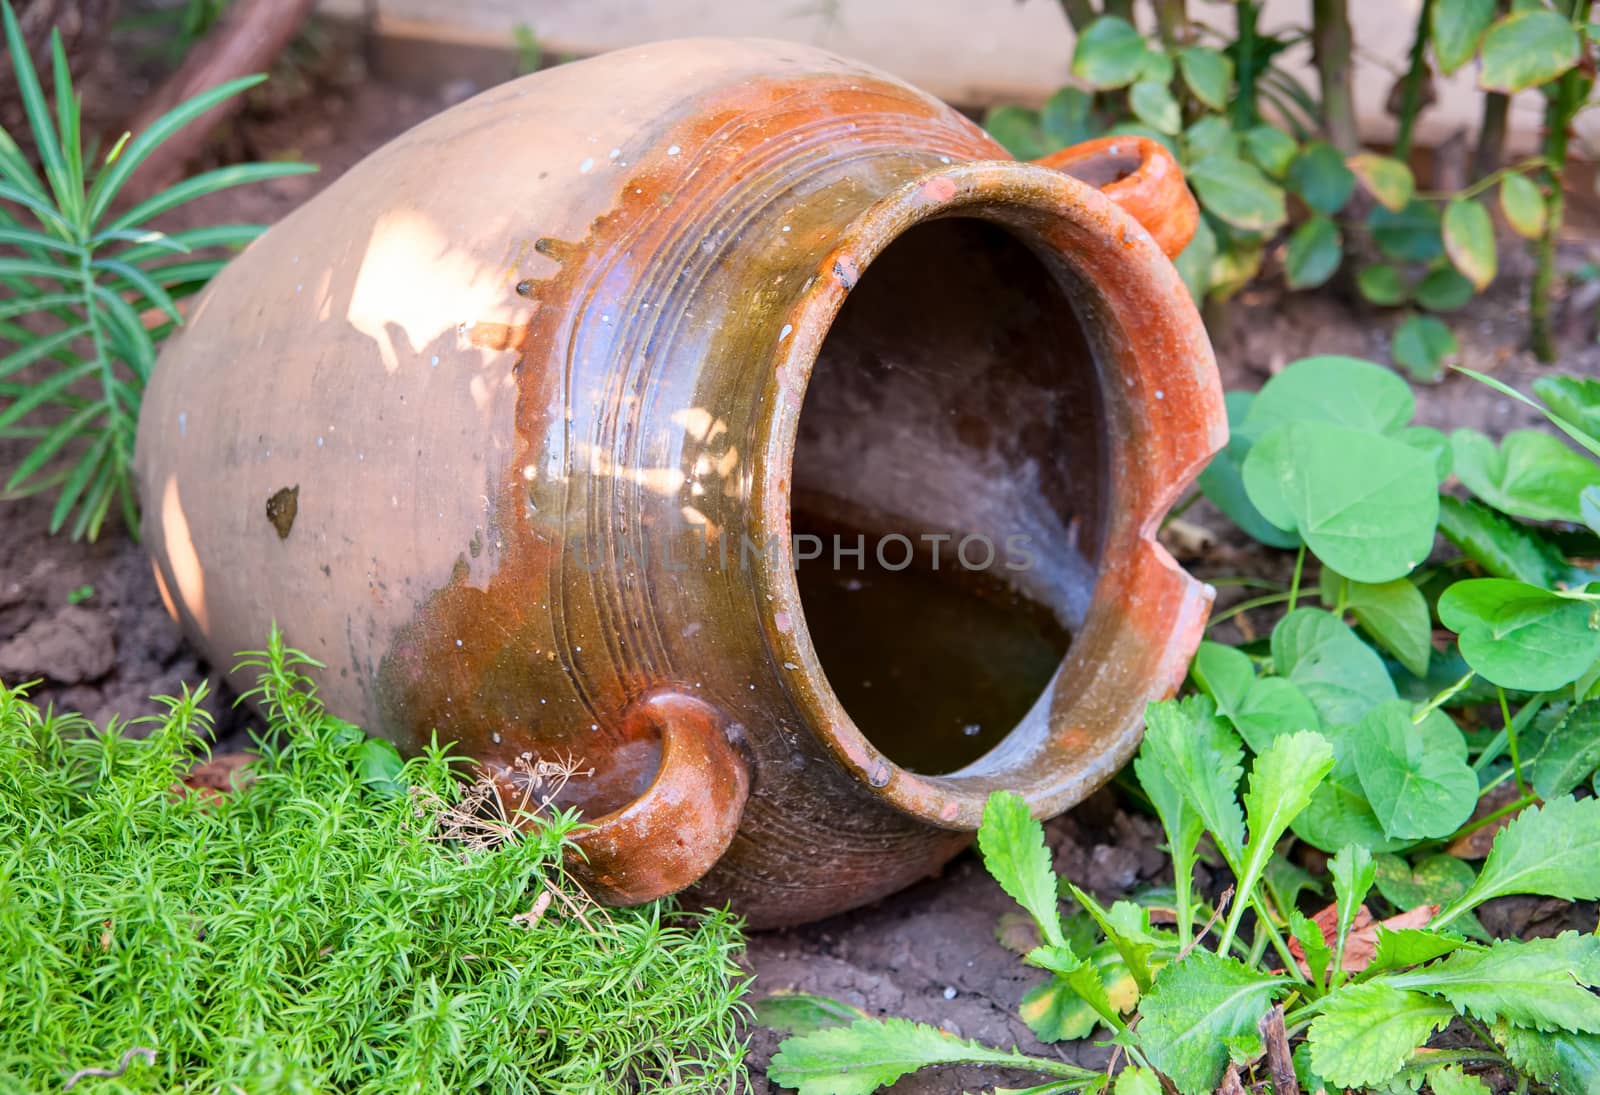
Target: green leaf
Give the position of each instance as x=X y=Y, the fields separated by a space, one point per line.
x=1238 y=193
x=1223 y=480
x=871 y=1053
x=1282 y=782
x=802 y=1013
x=380 y=766
x=1110 y=53
x=1416 y=776
x=1315 y=249
x=1208 y=73
x=1272 y=707
x=1194 y=1006
x=1522 y=202
x=1386 y=179
x=1082 y=977
x=1134 y=1080
x=1194 y=262
x=1458 y=27
x=1444 y=289
x=1539 y=983
x=1411 y=235
x=1366 y=505
x=1342 y=676
x=1571 y=429
x=1210 y=134
x=1271 y=148
x=1068 y=117
x=1501 y=546
x=1312 y=944
x=1527 y=48
x=1422 y=345
x=1339 y=814
x=1520 y=636
x=1201 y=757
x=1056 y=1012
x=1435 y=880
x=1569 y=1063
x=1551 y=850
x=1152 y=103
x=1345 y=391
x=1394 y=613
x=1382 y=285
x=1012 y=844
x=1127 y=928
x=1353 y=872
x=1562 y=748
x=1469 y=241
x=1576 y=399
x=1366 y=1032
x=1411 y=947
x=1427 y=440
x=1319 y=175
x=1017 y=130
x=1532 y=474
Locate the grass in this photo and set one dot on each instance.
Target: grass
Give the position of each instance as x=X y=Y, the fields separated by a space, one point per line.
x=321 y=929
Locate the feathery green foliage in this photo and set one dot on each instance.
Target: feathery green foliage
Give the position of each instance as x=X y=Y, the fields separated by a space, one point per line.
x=315 y=931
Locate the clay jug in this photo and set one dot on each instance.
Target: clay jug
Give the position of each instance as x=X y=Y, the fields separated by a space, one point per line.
x=594 y=418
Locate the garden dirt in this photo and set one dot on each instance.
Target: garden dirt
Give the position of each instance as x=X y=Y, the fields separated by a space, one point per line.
x=87 y=621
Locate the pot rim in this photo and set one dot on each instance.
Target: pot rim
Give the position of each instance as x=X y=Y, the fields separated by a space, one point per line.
x=1146 y=614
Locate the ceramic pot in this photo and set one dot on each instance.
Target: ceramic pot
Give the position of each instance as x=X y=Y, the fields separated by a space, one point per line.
x=487 y=425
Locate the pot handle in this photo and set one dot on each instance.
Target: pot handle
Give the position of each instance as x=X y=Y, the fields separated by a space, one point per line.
x=671 y=835
x=1141 y=176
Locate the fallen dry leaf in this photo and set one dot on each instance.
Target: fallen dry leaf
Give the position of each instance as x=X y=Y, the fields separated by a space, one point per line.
x=1362 y=941
x=223 y=774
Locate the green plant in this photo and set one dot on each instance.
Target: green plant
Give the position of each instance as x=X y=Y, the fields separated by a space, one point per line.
x=339 y=922
x=91 y=289
x=1368 y=739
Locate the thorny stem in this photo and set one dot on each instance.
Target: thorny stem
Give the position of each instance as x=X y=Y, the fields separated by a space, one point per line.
x=1511 y=740
x=1411 y=84
x=1331 y=48
x=1570 y=93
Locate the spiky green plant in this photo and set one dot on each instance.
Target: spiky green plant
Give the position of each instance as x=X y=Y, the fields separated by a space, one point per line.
x=88 y=288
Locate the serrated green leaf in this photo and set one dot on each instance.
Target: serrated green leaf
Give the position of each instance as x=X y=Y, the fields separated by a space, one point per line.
x=1342 y=676
x=1208 y=74
x=1127 y=928
x=1538 y=983
x=1365 y=504
x=1526 y=49
x=1552 y=850
x=1569 y=1063
x=871 y=1053
x=1011 y=841
x=1574 y=398
x=1531 y=474
x=1385 y=178
x=1416 y=776
x=1315 y=948
x=1457 y=27
x=1193 y=1008
x=1520 y=636
x=1382 y=285
x=1469 y=241
x=1201 y=757
x=1353 y=872
x=1313 y=255
x=1561 y=749
x=1110 y=53
x=1522 y=202
x=1411 y=235
x=1321 y=178
x=1366 y=1032
x=1056 y=1012
x=1501 y=546
x=1238 y=193
x=1153 y=104
x=1411 y=947
x=1422 y=346
x=1282 y=781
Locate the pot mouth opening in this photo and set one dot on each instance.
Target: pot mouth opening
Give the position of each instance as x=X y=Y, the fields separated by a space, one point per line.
x=940 y=475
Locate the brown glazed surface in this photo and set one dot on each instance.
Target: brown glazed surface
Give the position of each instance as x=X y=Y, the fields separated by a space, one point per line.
x=533 y=374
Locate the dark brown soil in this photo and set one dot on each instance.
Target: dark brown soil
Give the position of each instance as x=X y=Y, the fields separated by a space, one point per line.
x=87 y=621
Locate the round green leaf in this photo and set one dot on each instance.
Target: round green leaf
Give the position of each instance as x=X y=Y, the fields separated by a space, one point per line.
x=1415 y=776
x=1211 y=134
x=1110 y=53
x=1208 y=73
x=1238 y=193
x=1410 y=235
x=1365 y=504
x=1532 y=474
x=1522 y=202
x=1346 y=391
x=1017 y=130
x=1520 y=636
x=1386 y=179
x=1223 y=480
x=1319 y=175
x=1469 y=240
x=1394 y=613
x=1381 y=285
x=1157 y=67
x=1154 y=105
x=1067 y=117
x=1458 y=27
x=1271 y=148
x=1444 y=289
x=1422 y=345
x=1314 y=252
x=1527 y=48
x=1342 y=676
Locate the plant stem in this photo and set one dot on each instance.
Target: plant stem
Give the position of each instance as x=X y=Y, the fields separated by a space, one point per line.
x=1331 y=48
x=1491 y=148
x=1120 y=8
x=1246 y=606
x=1411 y=84
x=1491 y=752
x=1079 y=13
x=1443 y=697
x=1294 y=584
x=1570 y=93
x=1511 y=740
x=1489 y=819
x=1172 y=20
x=1247 y=66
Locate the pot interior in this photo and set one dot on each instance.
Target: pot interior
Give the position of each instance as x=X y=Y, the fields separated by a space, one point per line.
x=948 y=492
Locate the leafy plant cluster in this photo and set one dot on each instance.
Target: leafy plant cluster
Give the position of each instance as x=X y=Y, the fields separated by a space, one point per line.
x=1277 y=167
x=318 y=929
x=1370 y=734
x=92 y=288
